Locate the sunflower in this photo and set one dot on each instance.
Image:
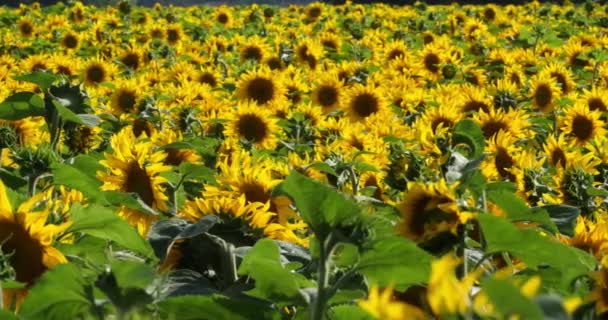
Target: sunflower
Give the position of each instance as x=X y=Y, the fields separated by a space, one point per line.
x=175 y=156
x=254 y=48
x=255 y=178
x=132 y=58
x=27 y=241
x=428 y=209
x=395 y=49
x=82 y=139
x=314 y=11
x=504 y=159
x=70 y=40
x=581 y=124
x=589 y=236
x=447 y=294
x=174 y=34
x=381 y=304
x=598 y=295
x=327 y=92
x=64 y=65
x=26 y=27
x=544 y=92
x=247 y=122
x=223 y=16
x=596 y=99
x=558 y=152
x=210 y=77
x=364 y=101
x=512 y=121
x=561 y=75
x=474 y=99
x=134 y=167
x=96 y=71
x=308 y=52
x=262 y=86
x=255 y=215
x=126 y=97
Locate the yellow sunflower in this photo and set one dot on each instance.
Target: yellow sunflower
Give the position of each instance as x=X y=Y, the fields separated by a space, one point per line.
x=262 y=86
x=27 y=240
x=327 y=92
x=364 y=101
x=249 y=123
x=96 y=71
x=428 y=209
x=581 y=124
x=544 y=92
x=381 y=304
x=134 y=166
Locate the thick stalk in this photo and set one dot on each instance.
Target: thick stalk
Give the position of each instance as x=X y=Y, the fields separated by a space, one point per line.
x=318 y=309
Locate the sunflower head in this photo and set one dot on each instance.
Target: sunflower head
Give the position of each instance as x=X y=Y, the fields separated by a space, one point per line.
x=250 y=124
x=427 y=210
x=582 y=124
x=544 y=93
x=262 y=86
x=364 y=101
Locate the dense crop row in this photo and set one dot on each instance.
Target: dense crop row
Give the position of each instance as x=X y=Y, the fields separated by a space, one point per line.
x=320 y=162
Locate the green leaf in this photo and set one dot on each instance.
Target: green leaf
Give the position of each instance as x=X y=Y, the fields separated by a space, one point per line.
x=349 y=312
x=71 y=176
x=563 y=216
x=533 y=248
x=212 y=307
x=469 y=132
x=65 y=113
x=196 y=171
x=22 y=105
x=102 y=223
x=58 y=294
x=44 y=80
x=272 y=281
x=509 y=301
x=7 y=315
x=319 y=205
x=132 y=274
x=165 y=232
x=552 y=307
x=395 y=261
x=517 y=210
x=129 y=200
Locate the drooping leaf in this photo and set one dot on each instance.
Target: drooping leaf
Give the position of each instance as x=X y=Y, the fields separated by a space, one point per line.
x=395 y=261
x=165 y=232
x=101 y=222
x=58 y=294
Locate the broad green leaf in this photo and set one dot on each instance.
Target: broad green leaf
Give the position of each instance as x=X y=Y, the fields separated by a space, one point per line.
x=70 y=176
x=101 y=222
x=469 y=132
x=132 y=274
x=165 y=232
x=22 y=105
x=44 y=80
x=517 y=210
x=212 y=307
x=58 y=294
x=395 y=261
x=129 y=200
x=552 y=307
x=319 y=205
x=533 y=248
x=272 y=280
x=509 y=301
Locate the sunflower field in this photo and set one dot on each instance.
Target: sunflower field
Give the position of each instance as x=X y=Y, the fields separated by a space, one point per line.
x=304 y=162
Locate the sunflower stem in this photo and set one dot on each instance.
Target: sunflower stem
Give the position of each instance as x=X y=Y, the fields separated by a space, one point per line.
x=320 y=301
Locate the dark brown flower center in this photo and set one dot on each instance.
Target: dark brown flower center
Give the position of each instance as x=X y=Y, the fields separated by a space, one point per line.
x=252 y=128
x=365 y=104
x=582 y=128
x=261 y=90
x=25 y=253
x=138 y=181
